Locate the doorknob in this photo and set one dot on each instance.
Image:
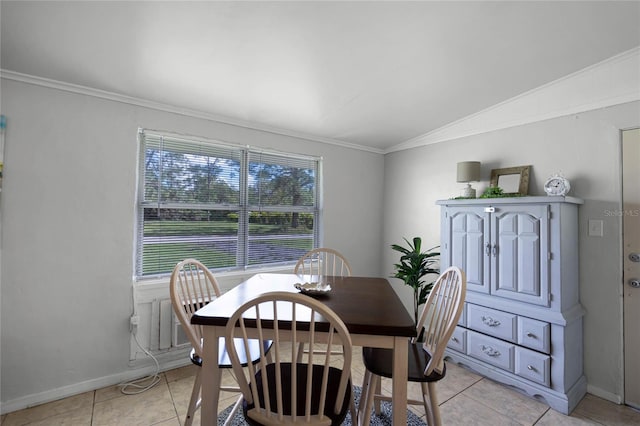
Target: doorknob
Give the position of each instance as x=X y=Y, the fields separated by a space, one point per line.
x=634 y=257
x=634 y=282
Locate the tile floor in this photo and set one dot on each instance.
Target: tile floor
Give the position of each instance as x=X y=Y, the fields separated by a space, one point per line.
x=466 y=399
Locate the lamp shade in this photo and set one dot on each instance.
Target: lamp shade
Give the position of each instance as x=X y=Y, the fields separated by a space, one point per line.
x=468 y=171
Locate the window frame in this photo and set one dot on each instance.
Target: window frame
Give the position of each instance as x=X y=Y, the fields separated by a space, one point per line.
x=244 y=208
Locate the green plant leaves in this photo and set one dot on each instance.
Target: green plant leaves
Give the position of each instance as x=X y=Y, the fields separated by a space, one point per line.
x=413 y=266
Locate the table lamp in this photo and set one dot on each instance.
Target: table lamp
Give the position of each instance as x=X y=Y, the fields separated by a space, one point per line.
x=468 y=171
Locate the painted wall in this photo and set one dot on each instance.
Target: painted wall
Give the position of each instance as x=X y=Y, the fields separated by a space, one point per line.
x=67 y=212
x=585 y=147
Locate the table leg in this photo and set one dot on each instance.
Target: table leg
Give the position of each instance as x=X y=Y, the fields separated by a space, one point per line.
x=399 y=382
x=210 y=377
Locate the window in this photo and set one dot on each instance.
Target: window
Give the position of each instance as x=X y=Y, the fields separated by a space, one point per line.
x=229 y=207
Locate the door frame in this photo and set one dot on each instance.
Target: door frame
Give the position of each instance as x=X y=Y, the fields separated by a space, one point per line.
x=622 y=266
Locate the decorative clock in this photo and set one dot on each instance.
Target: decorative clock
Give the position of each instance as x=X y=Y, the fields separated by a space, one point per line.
x=557 y=185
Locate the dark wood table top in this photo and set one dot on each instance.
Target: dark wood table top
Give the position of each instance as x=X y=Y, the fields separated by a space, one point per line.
x=366 y=305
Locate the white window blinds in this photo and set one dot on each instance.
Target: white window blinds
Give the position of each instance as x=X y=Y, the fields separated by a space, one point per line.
x=229 y=207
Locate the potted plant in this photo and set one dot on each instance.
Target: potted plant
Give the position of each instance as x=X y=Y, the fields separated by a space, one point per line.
x=413 y=266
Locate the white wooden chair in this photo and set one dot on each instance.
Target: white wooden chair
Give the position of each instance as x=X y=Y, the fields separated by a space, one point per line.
x=192 y=286
x=322 y=261
x=426 y=364
x=317 y=391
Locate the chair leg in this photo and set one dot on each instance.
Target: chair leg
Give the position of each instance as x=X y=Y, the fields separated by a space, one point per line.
x=426 y=404
x=363 y=397
x=353 y=410
x=235 y=408
x=377 y=391
x=194 y=401
x=374 y=380
x=433 y=403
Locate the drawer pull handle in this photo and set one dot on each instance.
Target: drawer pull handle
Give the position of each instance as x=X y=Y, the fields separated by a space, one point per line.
x=455 y=339
x=490 y=321
x=490 y=351
x=487 y=249
x=531 y=335
x=531 y=368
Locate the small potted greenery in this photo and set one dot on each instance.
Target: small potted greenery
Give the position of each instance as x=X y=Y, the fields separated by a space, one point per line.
x=493 y=192
x=413 y=266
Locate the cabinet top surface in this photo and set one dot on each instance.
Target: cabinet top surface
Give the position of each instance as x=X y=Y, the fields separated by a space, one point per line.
x=509 y=200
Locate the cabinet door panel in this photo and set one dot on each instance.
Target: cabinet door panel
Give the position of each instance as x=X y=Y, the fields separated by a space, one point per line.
x=520 y=252
x=468 y=229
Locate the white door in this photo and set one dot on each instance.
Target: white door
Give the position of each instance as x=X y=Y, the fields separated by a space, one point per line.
x=631 y=264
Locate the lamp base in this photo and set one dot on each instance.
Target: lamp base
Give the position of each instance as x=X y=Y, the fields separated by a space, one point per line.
x=469 y=192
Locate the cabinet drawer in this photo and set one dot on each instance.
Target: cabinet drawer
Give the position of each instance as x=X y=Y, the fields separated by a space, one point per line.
x=489 y=321
x=534 y=334
x=533 y=366
x=490 y=350
x=458 y=340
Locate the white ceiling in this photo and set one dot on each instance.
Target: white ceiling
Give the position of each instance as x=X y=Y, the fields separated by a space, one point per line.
x=374 y=74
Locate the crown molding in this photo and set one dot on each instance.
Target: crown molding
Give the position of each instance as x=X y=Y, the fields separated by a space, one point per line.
x=130 y=100
x=614 y=81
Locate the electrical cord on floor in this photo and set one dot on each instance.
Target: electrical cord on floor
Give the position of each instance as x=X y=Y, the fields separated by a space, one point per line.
x=137 y=384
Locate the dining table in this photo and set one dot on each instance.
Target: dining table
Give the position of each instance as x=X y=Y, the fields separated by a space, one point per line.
x=369 y=306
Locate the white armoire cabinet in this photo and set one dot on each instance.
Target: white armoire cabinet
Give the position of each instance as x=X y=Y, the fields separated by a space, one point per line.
x=522 y=323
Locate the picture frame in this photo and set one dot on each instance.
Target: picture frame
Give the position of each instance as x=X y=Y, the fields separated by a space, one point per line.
x=512 y=180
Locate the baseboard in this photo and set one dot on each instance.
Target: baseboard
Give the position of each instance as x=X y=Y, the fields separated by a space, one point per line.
x=611 y=397
x=90 y=385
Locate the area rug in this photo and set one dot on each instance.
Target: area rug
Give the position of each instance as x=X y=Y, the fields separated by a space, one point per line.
x=383 y=419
